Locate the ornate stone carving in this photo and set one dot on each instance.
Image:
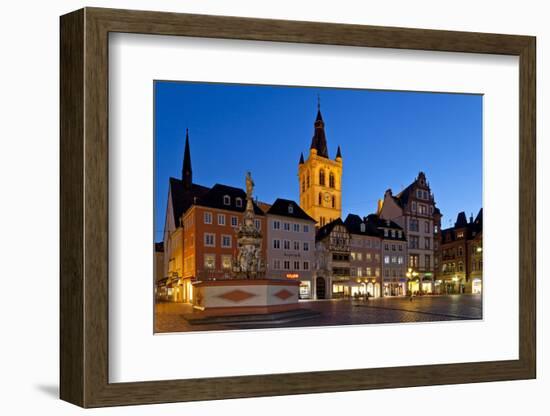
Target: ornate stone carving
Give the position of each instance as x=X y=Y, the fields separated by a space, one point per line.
x=249 y=263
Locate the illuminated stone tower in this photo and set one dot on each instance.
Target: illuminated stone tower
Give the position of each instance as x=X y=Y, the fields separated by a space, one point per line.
x=320 y=178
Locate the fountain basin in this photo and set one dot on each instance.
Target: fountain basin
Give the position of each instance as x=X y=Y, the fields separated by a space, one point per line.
x=245 y=296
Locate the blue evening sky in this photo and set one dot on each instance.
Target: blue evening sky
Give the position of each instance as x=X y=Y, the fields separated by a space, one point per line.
x=386 y=138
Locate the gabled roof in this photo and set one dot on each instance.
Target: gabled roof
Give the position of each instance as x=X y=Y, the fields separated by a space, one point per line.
x=288 y=208
x=326 y=229
x=214 y=198
x=402 y=198
x=264 y=206
x=353 y=223
x=472 y=227
x=182 y=199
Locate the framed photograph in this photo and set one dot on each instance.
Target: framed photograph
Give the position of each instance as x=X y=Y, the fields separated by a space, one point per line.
x=255 y=207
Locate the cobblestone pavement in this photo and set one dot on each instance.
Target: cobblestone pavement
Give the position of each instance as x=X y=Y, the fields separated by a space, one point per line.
x=169 y=316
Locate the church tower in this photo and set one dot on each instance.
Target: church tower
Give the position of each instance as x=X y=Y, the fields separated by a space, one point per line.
x=320 y=178
x=187 y=171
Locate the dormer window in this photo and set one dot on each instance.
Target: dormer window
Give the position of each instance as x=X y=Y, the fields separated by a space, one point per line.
x=239 y=202
x=362 y=227
x=290 y=209
x=226 y=200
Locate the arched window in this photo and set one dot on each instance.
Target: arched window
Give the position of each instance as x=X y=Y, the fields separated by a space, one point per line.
x=322 y=177
x=331 y=180
x=460 y=251
x=303 y=184
x=307 y=180
x=333 y=202
x=460 y=266
x=320 y=198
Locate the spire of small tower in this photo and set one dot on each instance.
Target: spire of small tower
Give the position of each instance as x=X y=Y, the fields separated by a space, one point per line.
x=319 y=140
x=187 y=171
x=301 y=159
x=338 y=153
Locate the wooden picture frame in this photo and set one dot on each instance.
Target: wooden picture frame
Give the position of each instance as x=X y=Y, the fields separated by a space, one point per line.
x=84 y=207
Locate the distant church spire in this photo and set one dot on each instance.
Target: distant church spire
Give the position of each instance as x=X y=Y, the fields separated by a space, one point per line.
x=319 y=140
x=187 y=171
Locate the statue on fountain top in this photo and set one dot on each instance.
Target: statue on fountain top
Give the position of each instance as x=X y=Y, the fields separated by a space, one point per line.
x=249 y=263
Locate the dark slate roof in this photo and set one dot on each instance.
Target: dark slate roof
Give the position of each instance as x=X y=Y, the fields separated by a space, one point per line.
x=402 y=198
x=319 y=140
x=159 y=247
x=187 y=170
x=214 y=199
x=182 y=199
x=477 y=225
x=326 y=229
x=353 y=224
x=338 y=152
x=380 y=224
x=472 y=227
x=461 y=220
x=281 y=207
x=301 y=162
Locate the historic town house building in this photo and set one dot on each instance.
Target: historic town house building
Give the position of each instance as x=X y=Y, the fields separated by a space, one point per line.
x=320 y=178
x=365 y=257
x=291 y=245
x=333 y=252
x=461 y=256
x=415 y=211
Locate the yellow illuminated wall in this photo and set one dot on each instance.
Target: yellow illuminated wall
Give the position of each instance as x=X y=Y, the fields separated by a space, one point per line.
x=320 y=182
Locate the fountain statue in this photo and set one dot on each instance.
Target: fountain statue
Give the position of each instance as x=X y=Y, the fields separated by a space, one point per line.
x=249 y=263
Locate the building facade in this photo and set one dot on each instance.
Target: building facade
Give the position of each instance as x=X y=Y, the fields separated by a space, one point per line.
x=320 y=178
x=365 y=256
x=414 y=210
x=200 y=232
x=394 y=254
x=475 y=263
x=333 y=253
x=210 y=235
x=461 y=256
x=291 y=245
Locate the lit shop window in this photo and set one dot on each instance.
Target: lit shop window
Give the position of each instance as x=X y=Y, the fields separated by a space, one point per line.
x=209 y=261
x=226 y=262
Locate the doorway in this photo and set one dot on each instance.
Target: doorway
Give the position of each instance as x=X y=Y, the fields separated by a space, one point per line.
x=320 y=288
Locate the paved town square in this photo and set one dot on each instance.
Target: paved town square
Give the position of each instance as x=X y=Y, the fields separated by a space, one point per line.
x=169 y=316
x=347 y=234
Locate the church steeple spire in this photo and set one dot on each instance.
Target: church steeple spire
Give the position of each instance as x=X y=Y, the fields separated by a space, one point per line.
x=319 y=140
x=187 y=171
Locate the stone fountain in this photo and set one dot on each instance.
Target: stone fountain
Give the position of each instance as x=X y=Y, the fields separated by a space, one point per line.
x=249 y=292
x=249 y=263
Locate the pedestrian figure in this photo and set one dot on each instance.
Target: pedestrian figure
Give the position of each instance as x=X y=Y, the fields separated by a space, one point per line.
x=411 y=297
x=367 y=296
